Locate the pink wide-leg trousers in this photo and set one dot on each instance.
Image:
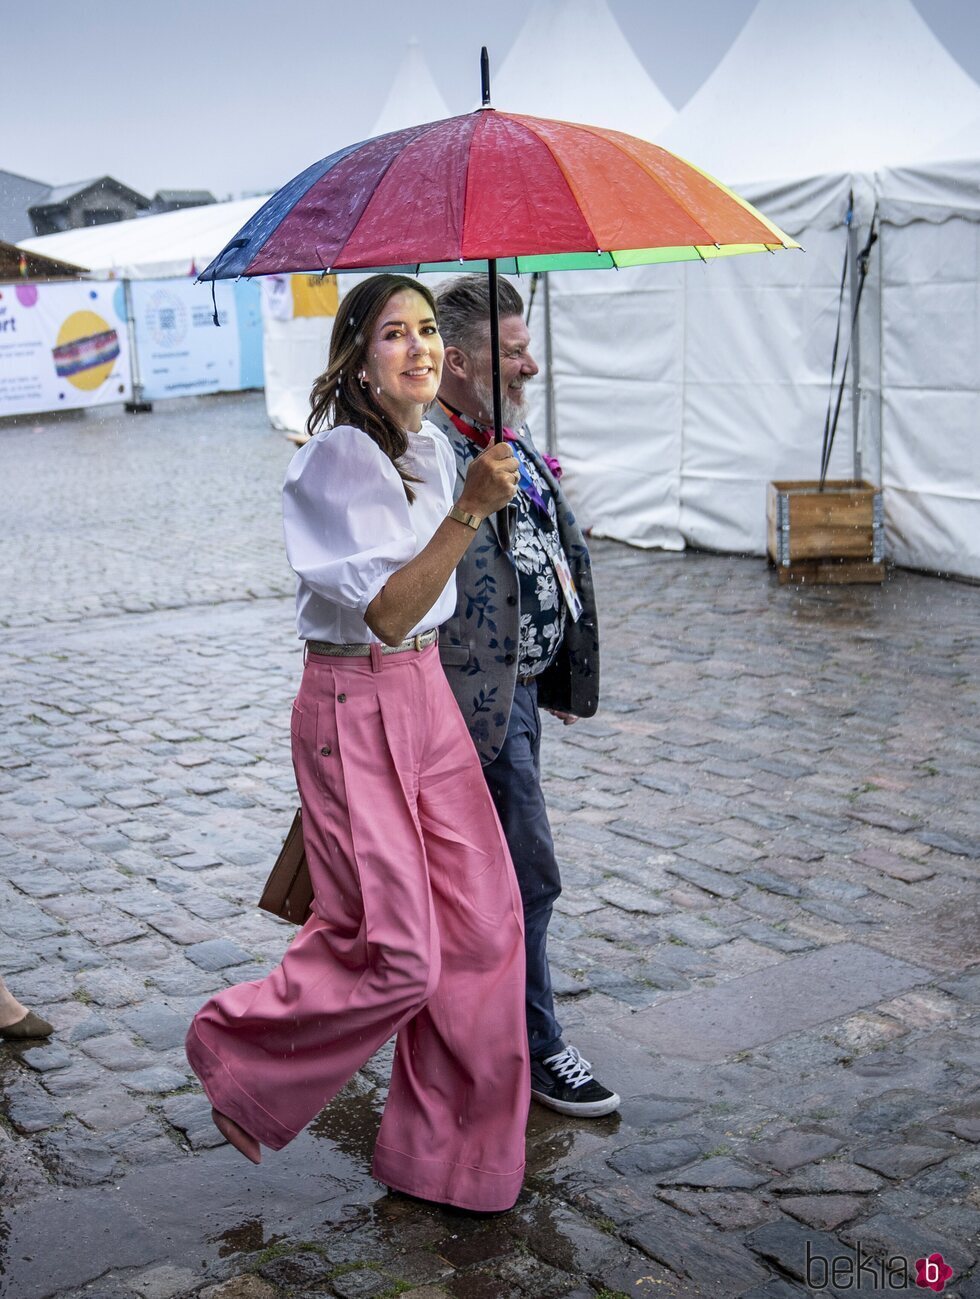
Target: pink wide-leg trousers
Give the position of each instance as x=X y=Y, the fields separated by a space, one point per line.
x=417 y=931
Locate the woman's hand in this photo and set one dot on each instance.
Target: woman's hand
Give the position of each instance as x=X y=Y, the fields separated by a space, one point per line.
x=410 y=593
x=491 y=481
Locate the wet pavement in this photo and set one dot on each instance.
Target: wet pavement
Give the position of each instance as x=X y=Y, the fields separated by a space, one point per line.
x=769 y=939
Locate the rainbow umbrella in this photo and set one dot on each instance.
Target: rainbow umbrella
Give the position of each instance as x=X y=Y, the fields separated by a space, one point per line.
x=528 y=193
x=495 y=191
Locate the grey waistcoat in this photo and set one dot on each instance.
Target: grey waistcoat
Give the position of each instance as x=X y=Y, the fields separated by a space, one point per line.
x=478 y=645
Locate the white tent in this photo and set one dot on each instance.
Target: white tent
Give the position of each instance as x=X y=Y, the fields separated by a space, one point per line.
x=928 y=397
x=679 y=392
x=843 y=85
x=963 y=143
x=153 y=247
x=413 y=97
x=572 y=61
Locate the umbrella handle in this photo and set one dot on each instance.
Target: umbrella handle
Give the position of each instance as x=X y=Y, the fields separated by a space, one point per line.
x=503 y=527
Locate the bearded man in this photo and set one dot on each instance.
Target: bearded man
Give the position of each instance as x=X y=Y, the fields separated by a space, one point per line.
x=524 y=635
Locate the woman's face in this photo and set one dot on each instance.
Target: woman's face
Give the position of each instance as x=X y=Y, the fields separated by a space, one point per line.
x=403 y=362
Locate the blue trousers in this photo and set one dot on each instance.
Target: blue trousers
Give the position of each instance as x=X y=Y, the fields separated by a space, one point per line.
x=514 y=780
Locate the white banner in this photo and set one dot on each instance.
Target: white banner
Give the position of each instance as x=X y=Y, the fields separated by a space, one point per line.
x=62 y=346
x=181 y=352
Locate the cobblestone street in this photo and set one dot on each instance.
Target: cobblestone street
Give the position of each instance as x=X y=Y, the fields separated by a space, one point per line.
x=768 y=942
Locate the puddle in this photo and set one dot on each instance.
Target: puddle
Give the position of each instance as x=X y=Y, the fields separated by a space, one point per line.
x=350 y=1123
x=192 y=1212
x=247 y=1238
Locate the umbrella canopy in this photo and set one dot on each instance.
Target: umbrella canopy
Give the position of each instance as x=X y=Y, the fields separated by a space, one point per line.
x=530 y=193
x=498 y=192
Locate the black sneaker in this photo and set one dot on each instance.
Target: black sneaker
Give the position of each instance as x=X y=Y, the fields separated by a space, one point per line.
x=564 y=1083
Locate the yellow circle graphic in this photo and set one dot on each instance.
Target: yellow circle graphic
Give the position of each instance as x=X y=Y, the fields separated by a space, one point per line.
x=86 y=349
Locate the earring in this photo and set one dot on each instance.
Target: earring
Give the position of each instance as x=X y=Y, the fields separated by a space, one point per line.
x=362 y=378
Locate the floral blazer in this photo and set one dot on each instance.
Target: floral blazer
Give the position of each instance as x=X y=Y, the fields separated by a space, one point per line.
x=478 y=645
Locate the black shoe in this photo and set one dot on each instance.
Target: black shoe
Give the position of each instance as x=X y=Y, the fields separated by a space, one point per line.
x=564 y=1083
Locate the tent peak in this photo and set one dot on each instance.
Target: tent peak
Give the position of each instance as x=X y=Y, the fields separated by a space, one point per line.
x=571 y=60
x=413 y=96
x=848 y=85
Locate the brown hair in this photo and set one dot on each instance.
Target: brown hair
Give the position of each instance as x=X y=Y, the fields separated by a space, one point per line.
x=338 y=396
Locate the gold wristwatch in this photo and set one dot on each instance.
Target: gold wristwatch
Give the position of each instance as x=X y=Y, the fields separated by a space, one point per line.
x=471 y=520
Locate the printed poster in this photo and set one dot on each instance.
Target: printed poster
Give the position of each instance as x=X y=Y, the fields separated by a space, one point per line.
x=62 y=346
x=181 y=352
x=295 y=297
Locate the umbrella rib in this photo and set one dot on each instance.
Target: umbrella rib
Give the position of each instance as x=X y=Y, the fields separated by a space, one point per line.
x=423 y=135
x=335 y=264
x=466 y=187
x=609 y=138
x=781 y=240
x=380 y=177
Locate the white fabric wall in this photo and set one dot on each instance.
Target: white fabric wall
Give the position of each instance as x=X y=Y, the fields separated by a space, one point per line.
x=930 y=393
x=618 y=368
x=295 y=353
x=759 y=336
x=681 y=391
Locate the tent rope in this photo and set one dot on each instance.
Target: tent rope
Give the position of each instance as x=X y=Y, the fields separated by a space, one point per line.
x=863 y=262
x=535 y=278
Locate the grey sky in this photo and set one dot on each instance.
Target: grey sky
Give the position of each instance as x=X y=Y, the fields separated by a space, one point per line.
x=239 y=95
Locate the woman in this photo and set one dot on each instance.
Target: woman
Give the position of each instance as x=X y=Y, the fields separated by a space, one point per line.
x=416 y=924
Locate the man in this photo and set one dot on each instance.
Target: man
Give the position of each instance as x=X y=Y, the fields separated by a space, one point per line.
x=524 y=633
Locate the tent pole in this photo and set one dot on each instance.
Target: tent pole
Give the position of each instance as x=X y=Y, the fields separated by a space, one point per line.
x=138 y=405
x=855 y=348
x=879 y=405
x=550 y=425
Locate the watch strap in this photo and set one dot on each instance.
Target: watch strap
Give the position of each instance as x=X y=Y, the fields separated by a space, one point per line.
x=471 y=520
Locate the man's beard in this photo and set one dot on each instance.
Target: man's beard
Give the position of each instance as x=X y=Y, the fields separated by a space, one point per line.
x=513 y=413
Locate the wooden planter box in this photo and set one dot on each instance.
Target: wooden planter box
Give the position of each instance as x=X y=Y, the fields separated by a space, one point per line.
x=834 y=535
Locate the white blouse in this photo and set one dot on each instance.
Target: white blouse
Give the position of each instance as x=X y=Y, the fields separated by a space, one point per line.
x=348 y=526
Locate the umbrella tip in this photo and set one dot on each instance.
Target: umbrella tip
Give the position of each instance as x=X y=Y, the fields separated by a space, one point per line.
x=485 y=75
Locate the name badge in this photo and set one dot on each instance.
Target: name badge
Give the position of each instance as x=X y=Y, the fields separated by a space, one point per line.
x=565 y=580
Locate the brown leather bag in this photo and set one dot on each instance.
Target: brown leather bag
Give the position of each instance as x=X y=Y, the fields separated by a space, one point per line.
x=288 y=891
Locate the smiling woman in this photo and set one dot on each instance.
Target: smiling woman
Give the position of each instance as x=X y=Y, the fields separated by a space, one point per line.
x=404 y=359
x=415 y=925
x=386 y=327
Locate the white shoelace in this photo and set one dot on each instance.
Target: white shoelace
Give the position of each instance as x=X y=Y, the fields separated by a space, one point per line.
x=570 y=1066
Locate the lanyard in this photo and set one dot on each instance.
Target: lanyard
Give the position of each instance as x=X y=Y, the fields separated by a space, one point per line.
x=483 y=437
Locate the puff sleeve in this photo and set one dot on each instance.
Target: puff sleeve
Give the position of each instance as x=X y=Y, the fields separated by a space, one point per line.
x=345 y=518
